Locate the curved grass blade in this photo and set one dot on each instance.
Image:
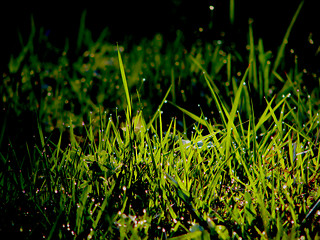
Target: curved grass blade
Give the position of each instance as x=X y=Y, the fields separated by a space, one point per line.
x=216 y=89
x=193 y=116
x=160 y=106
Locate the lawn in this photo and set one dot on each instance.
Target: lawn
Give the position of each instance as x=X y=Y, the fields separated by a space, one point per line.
x=158 y=140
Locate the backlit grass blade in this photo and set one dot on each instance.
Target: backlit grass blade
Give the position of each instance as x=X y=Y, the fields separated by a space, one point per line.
x=264 y=70
x=277 y=122
x=159 y=108
x=232 y=115
x=216 y=99
x=216 y=89
x=182 y=192
x=280 y=53
x=193 y=116
x=229 y=68
x=252 y=77
x=265 y=116
x=125 y=84
x=173 y=84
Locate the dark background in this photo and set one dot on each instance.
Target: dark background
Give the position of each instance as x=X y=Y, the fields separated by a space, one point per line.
x=134 y=20
x=139 y=19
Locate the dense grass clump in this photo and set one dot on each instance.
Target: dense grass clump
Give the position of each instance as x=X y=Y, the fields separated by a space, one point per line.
x=157 y=141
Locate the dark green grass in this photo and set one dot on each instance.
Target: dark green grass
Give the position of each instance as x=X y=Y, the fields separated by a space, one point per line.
x=158 y=141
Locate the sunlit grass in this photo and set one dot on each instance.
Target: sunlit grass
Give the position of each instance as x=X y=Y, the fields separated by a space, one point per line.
x=158 y=141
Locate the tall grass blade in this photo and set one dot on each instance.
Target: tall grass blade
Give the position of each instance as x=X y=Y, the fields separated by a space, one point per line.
x=14 y=63
x=54 y=226
x=125 y=83
x=41 y=134
x=252 y=59
x=280 y=53
x=231 y=12
x=232 y=115
x=190 y=235
x=159 y=108
x=265 y=116
x=82 y=29
x=216 y=99
x=196 y=62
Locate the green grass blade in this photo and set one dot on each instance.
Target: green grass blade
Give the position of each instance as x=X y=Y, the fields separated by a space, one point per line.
x=312 y=211
x=232 y=115
x=216 y=99
x=54 y=226
x=280 y=53
x=14 y=63
x=41 y=135
x=252 y=59
x=190 y=235
x=196 y=62
x=82 y=29
x=193 y=116
x=265 y=116
x=125 y=84
x=231 y=11
x=159 y=108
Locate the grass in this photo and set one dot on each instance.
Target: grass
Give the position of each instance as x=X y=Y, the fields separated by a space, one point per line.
x=120 y=150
